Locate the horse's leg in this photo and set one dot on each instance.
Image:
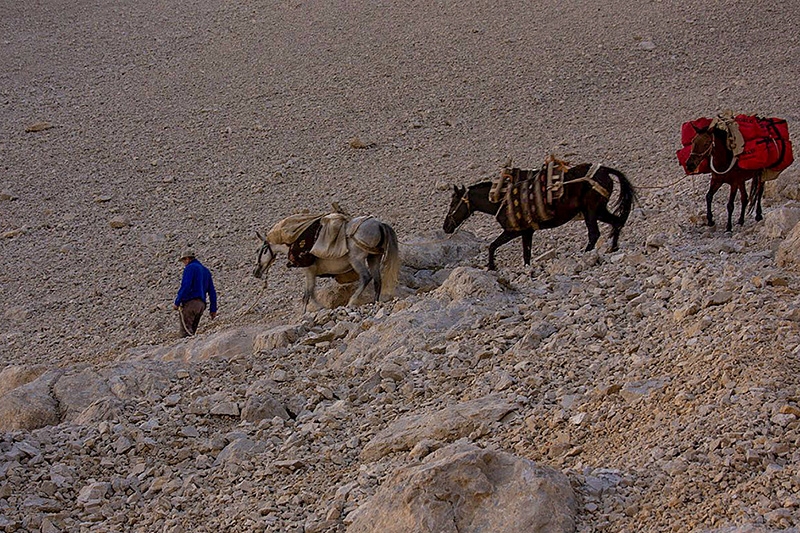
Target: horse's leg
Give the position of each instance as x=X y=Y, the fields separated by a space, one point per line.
x=374 y=265
x=616 y=223
x=359 y=264
x=731 y=202
x=527 y=239
x=594 y=230
x=308 y=293
x=712 y=190
x=504 y=237
x=743 y=191
x=759 y=194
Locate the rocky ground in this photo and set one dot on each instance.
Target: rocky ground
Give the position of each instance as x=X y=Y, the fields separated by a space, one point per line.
x=662 y=379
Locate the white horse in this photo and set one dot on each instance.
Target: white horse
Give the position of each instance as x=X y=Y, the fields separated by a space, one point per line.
x=372 y=252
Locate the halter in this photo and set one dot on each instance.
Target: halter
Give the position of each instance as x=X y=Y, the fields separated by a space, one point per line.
x=711 y=158
x=703 y=154
x=265 y=247
x=462 y=200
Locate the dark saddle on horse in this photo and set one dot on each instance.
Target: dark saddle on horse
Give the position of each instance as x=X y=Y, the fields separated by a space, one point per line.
x=529 y=196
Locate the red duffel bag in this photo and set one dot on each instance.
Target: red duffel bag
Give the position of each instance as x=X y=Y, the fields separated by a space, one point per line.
x=766 y=143
x=688 y=132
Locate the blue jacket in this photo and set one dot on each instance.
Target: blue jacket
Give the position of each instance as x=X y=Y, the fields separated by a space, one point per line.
x=196 y=283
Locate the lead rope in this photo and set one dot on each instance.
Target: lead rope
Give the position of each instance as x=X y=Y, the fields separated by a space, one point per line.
x=183 y=322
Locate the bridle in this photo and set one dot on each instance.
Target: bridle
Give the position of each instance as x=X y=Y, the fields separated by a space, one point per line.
x=463 y=199
x=708 y=153
x=703 y=154
x=264 y=248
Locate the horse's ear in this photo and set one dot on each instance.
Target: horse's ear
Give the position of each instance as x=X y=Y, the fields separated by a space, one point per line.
x=699 y=130
x=455 y=189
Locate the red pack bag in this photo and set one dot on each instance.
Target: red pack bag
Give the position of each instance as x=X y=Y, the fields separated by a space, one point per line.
x=750 y=127
x=774 y=154
x=689 y=129
x=767 y=143
x=688 y=132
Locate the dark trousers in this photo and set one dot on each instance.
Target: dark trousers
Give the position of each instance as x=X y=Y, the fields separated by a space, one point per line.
x=190 y=313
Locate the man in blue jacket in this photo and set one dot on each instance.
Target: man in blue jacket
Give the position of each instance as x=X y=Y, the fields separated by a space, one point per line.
x=191 y=299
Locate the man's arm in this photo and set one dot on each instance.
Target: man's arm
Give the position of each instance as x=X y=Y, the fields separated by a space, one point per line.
x=212 y=296
x=186 y=282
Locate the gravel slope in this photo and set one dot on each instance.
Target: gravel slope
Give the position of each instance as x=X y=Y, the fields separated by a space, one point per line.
x=203 y=122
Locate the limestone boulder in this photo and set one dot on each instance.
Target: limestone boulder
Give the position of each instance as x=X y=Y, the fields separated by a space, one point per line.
x=463 y=488
x=278 y=337
x=469 y=283
x=14 y=376
x=448 y=424
x=436 y=250
x=788 y=255
x=227 y=344
x=779 y=222
x=30 y=406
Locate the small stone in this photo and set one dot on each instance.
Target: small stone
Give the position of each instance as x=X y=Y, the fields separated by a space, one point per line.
x=225 y=409
x=718 y=298
x=656 y=241
x=119 y=222
x=13 y=233
x=38 y=126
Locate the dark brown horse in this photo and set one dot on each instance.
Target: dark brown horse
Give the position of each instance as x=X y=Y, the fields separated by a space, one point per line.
x=713 y=144
x=580 y=198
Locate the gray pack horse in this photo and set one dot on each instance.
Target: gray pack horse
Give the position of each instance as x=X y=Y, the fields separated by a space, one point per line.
x=372 y=253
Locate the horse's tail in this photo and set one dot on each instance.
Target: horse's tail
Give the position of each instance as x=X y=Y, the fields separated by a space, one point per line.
x=756 y=191
x=390 y=264
x=627 y=196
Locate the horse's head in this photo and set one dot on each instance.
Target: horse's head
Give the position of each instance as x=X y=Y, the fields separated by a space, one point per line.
x=702 y=144
x=266 y=256
x=459 y=209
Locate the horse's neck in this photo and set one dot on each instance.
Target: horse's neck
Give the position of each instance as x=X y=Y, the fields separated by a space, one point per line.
x=479 y=199
x=721 y=153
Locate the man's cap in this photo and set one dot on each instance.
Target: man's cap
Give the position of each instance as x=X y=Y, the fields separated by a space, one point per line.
x=186 y=253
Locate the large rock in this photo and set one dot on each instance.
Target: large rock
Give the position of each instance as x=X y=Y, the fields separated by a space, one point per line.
x=432 y=252
x=278 y=337
x=78 y=389
x=465 y=489
x=447 y=425
x=30 y=406
x=15 y=376
x=788 y=255
x=228 y=344
x=469 y=283
x=779 y=222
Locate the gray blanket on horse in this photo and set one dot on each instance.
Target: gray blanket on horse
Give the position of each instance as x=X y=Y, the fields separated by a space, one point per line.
x=330 y=241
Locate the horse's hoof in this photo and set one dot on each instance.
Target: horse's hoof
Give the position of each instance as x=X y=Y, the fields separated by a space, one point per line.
x=759 y=218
